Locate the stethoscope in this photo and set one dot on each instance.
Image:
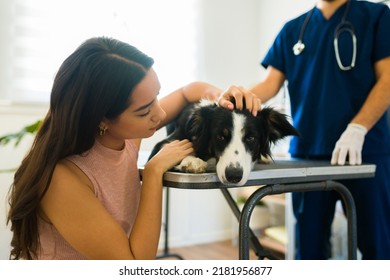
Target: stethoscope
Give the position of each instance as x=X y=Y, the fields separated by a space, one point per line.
x=343 y=26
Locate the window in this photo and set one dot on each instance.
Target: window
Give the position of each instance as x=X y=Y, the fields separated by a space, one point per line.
x=40 y=34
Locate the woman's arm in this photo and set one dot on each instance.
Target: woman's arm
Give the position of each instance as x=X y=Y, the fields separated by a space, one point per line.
x=71 y=206
x=145 y=235
x=174 y=103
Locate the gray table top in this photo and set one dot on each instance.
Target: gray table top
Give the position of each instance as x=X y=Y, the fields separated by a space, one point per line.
x=279 y=172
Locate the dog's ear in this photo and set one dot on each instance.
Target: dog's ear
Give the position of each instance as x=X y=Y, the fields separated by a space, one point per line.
x=197 y=129
x=277 y=124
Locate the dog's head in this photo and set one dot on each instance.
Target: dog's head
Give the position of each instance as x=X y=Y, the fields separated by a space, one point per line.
x=236 y=139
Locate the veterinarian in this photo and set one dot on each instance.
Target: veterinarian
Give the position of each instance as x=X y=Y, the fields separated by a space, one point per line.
x=77 y=193
x=336 y=60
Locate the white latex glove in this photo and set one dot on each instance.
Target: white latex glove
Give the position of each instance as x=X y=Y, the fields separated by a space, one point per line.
x=351 y=144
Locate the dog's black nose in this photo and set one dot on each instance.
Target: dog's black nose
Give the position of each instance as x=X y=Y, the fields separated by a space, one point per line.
x=233 y=174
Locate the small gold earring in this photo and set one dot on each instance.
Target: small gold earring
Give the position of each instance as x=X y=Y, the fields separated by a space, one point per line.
x=102 y=130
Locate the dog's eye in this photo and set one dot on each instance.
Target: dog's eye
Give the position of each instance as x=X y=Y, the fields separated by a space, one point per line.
x=220 y=137
x=250 y=139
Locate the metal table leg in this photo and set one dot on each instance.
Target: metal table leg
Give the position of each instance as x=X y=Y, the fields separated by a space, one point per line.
x=244 y=230
x=166 y=253
x=259 y=250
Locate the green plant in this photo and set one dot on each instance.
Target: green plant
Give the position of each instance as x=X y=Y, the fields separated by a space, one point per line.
x=18 y=136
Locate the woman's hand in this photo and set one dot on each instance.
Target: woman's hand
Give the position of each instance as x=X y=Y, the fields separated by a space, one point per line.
x=170 y=155
x=242 y=98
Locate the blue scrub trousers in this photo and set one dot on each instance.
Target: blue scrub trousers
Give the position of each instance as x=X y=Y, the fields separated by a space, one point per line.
x=314 y=212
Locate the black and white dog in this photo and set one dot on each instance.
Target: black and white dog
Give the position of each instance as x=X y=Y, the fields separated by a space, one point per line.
x=235 y=139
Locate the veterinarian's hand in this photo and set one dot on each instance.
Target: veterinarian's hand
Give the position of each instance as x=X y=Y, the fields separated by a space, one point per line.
x=239 y=95
x=170 y=155
x=351 y=144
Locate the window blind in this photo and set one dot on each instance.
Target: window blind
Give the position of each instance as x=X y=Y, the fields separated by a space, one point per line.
x=38 y=35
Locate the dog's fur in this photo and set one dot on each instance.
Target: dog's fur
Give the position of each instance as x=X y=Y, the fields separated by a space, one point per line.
x=235 y=139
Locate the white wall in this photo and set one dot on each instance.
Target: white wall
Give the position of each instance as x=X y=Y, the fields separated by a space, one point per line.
x=235 y=36
x=273 y=14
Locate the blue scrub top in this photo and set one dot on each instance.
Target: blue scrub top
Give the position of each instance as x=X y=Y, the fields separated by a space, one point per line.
x=324 y=99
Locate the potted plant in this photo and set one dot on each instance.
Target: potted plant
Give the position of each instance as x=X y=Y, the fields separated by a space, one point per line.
x=29 y=129
x=18 y=136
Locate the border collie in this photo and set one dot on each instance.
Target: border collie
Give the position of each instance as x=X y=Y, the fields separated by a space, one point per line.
x=235 y=140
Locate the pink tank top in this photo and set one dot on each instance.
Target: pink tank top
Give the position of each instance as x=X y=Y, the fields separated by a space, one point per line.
x=115 y=179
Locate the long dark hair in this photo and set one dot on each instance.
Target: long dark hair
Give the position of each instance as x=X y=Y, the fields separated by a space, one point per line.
x=94 y=82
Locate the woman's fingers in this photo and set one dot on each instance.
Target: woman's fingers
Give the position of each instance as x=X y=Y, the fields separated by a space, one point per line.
x=236 y=97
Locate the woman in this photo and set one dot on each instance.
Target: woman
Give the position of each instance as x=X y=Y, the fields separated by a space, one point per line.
x=77 y=193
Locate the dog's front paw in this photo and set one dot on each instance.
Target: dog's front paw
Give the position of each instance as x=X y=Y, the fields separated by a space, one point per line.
x=192 y=164
x=265 y=159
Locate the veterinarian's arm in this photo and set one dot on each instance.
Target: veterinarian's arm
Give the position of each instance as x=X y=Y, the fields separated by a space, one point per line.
x=378 y=101
x=270 y=85
x=174 y=103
